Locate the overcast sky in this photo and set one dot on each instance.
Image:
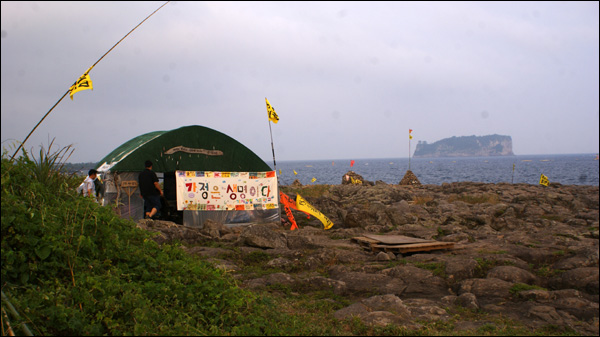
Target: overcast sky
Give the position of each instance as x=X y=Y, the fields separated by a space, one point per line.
x=347 y=79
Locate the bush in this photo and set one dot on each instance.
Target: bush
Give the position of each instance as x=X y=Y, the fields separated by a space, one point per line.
x=72 y=267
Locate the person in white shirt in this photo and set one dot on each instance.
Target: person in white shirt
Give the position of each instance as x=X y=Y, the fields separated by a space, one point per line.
x=87 y=187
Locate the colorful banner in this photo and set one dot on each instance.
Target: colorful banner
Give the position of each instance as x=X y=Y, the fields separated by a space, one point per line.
x=304 y=206
x=226 y=191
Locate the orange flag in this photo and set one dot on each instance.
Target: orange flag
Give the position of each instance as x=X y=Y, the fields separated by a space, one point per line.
x=287 y=204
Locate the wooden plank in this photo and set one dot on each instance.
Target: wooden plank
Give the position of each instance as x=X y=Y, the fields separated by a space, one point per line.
x=420 y=245
x=411 y=248
x=395 y=239
x=365 y=240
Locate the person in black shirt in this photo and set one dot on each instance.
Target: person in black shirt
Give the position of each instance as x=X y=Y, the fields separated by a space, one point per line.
x=150 y=191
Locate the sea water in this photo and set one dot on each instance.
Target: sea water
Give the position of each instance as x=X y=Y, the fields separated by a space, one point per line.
x=573 y=169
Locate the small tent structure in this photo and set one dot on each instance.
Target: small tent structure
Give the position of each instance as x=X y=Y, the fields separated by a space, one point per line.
x=189 y=148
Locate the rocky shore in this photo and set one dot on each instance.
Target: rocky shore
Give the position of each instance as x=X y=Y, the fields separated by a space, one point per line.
x=522 y=253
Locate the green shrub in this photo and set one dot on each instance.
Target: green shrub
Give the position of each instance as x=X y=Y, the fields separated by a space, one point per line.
x=72 y=267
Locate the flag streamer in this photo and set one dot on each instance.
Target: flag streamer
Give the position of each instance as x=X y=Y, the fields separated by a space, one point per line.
x=83 y=83
x=271 y=112
x=304 y=206
x=288 y=205
x=544 y=180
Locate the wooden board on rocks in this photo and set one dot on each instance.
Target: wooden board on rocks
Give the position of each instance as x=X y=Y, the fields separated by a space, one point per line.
x=399 y=243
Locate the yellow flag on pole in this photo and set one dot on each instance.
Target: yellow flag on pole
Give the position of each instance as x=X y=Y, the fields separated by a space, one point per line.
x=83 y=83
x=271 y=112
x=304 y=206
x=544 y=180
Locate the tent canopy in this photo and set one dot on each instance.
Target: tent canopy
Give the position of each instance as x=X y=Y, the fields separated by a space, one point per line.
x=189 y=148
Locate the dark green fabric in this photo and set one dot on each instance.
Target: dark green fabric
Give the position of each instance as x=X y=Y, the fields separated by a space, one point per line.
x=236 y=157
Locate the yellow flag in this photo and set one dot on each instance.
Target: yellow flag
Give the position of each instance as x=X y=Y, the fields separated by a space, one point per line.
x=295 y=173
x=271 y=112
x=83 y=83
x=304 y=206
x=313 y=180
x=544 y=180
x=355 y=181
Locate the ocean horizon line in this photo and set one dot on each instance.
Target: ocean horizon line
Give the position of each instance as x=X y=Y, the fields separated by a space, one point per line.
x=420 y=158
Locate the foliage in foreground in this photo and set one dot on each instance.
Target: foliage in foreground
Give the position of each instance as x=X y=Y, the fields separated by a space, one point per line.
x=72 y=267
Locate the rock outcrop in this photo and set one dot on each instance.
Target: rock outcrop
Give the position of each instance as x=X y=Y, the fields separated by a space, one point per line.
x=524 y=253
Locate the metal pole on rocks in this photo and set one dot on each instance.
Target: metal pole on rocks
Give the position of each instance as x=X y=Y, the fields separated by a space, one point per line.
x=409 y=138
x=273 y=117
x=513 y=174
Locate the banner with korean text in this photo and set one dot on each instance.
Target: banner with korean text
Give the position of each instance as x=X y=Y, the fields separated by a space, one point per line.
x=226 y=191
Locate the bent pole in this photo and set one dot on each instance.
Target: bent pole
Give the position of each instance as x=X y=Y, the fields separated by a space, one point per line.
x=63 y=96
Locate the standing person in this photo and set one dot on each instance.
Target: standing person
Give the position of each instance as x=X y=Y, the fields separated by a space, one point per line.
x=87 y=187
x=150 y=190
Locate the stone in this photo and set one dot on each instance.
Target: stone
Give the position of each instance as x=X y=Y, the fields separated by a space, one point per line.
x=512 y=274
x=263 y=237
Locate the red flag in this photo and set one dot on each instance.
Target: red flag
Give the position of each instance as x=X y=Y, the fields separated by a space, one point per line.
x=351 y=163
x=409 y=130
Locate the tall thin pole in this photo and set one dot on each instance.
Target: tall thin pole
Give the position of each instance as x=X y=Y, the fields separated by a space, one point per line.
x=272 y=148
x=512 y=180
x=409 y=151
x=63 y=96
x=275 y=167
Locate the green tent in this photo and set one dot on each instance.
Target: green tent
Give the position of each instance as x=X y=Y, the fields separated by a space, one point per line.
x=189 y=148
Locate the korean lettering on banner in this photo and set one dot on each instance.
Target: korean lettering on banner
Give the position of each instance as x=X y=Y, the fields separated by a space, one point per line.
x=219 y=191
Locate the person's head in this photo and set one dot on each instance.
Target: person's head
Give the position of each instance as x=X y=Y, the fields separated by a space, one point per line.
x=148 y=164
x=92 y=174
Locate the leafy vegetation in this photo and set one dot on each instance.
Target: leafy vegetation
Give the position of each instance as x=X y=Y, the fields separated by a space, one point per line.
x=72 y=267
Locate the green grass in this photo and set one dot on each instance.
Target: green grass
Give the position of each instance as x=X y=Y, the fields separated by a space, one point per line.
x=72 y=267
x=518 y=287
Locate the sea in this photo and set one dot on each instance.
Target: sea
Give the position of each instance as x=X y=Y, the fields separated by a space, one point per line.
x=566 y=169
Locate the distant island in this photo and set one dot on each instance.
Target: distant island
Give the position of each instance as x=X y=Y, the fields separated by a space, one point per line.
x=466 y=146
